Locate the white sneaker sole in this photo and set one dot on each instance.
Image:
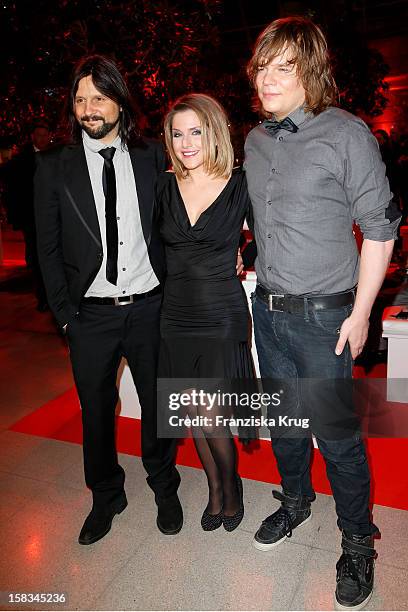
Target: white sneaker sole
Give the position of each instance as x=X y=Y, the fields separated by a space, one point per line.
x=266 y=547
x=338 y=606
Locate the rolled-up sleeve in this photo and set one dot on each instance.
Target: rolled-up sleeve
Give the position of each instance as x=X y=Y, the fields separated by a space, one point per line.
x=366 y=185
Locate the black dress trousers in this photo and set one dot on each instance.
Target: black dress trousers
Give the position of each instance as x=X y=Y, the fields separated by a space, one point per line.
x=98 y=338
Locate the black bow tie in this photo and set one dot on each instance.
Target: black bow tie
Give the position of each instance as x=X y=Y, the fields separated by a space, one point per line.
x=272 y=127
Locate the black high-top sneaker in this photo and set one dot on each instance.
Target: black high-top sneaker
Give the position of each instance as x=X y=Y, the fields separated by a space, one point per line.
x=294 y=511
x=355 y=572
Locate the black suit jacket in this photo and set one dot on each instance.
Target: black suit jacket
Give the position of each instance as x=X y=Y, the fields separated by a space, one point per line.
x=68 y=234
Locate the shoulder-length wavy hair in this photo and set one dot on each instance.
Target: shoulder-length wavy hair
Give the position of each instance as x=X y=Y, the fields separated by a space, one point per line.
x=108 y=80
x=308 y=48
x=217 y=148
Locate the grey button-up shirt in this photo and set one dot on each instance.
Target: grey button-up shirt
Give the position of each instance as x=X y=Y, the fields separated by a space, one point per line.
x=307 y=188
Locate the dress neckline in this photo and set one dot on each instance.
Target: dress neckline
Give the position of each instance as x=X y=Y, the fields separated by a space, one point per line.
x=210 y=206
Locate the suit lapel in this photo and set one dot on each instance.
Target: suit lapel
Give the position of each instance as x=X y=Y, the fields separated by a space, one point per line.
x=144 y=178
x=78 y=188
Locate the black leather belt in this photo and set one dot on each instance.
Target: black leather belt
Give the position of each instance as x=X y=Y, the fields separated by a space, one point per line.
x=295 y=304
x=124 y=300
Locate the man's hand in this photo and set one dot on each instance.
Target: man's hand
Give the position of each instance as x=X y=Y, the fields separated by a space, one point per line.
x=354 y=331
x=375 y=258
x=240 y=263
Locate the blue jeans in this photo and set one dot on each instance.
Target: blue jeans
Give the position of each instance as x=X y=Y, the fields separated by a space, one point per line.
x=302 y=347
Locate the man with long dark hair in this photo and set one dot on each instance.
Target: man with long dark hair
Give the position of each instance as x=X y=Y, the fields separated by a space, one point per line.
x=102 y=262
x=312 y=169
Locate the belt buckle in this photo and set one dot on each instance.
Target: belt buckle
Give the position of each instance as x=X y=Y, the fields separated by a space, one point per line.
x=129 y=300
x=271 y=306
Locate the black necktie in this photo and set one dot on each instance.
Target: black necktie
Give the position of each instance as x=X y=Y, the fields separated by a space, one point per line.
x=109 y=189
x=272 y=127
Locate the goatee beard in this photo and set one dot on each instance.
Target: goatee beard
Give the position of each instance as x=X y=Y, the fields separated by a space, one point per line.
x=101 y=131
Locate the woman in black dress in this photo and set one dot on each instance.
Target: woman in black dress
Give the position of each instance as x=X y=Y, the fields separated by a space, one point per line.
x=204 y=325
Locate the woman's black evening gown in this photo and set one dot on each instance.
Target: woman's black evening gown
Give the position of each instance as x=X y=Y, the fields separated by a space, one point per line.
x=205 y=318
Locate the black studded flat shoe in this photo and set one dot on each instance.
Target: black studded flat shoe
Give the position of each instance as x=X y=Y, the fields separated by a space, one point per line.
x=210 y=522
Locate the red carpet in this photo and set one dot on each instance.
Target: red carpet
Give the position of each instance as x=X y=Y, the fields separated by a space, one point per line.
x=60 y=419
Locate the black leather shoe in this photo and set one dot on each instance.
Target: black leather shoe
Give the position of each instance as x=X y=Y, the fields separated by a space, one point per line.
x=169 y=515
x=355 y=572
x=99 y=520
x=293 y=512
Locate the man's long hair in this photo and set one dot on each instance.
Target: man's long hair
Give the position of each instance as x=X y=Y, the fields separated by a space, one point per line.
x=308 y=48
x=108 y=80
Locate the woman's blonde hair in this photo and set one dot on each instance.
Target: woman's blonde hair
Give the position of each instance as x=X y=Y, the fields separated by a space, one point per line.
x=308 y=48
x=217 y=148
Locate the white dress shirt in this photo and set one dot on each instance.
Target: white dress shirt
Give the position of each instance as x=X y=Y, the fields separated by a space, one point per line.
x=135 y=273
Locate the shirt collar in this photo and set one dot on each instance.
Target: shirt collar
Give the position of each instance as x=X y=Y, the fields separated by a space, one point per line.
x=95 y=145
x=299 y=115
